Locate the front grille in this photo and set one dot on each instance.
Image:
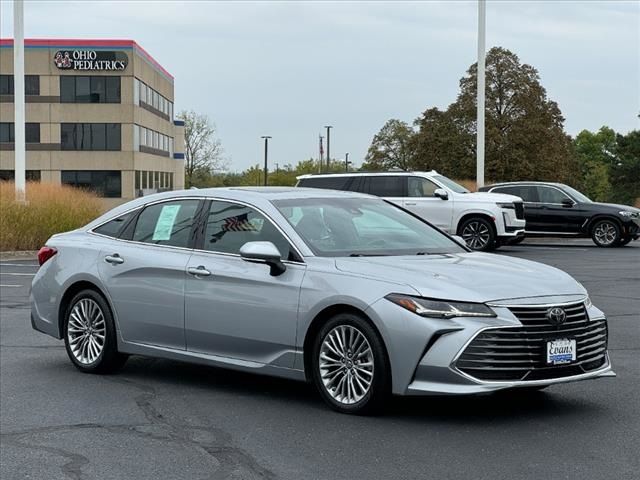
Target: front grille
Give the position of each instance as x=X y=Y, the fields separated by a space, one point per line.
x=519 y=210
x=519 y=353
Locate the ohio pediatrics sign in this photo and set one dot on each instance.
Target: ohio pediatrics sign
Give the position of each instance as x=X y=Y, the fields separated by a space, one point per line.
x=90 y=60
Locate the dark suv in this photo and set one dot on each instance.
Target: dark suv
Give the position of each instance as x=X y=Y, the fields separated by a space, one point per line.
x=555 y=209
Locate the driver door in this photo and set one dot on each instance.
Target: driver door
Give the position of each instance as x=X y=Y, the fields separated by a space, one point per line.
x=421 y=201
x=234 y=308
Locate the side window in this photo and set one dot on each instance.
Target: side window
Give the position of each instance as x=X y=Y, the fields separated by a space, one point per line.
x=230 y=225
x=391 y=186
x=114 y=227
x=525 y=192
x=331 y=183
x=420 y=187
x=551 y=195
x=167 y=223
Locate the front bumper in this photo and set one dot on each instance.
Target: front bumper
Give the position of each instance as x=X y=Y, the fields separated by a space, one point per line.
x=428 y=364
x=511 y=226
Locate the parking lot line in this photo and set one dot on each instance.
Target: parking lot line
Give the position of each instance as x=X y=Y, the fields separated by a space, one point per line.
x=18 y=264
x=18 y=274
x=10 y=286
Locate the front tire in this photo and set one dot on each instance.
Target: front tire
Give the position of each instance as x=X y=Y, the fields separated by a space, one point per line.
x=478 y=233
x=606 y=233
x=90 y=334
x=350 y=367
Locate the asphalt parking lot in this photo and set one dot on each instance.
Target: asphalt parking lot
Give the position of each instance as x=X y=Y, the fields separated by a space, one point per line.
x=162 y=419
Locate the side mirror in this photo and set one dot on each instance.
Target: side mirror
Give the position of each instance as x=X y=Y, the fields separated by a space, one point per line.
x=263 y=252
x=567 y=203
x=441 y=193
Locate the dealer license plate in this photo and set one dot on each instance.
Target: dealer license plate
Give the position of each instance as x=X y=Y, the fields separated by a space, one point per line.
x=561 y=351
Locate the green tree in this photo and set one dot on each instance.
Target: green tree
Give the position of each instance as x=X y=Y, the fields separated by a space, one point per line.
x=391 y=147
x=625 y=173
x=203 y=151
x=525 y=139
x=597 y=154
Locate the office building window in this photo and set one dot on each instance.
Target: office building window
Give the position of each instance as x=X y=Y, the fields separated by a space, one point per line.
x=106 y=183
x=10 y=175
x=152 y=98
x=90 y=136
x=31 y=131
x=89 y=89
x=152 y=139
x=31 y=85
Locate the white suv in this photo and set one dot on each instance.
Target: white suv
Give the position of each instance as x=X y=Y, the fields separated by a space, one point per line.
x=483 y=220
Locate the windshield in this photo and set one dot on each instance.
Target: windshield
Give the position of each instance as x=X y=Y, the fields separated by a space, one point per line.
x=579 y=197
x=339 y=227
x=450 y=184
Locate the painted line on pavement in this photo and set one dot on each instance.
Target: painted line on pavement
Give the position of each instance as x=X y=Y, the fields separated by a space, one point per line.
x=18 y=274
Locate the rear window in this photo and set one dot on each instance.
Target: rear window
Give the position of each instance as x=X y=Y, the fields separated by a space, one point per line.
x=391 y=186
x=329 y=183
x=525 y=192
x=114 y=227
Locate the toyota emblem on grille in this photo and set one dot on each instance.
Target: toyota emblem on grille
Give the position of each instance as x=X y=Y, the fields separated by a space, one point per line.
x=556 y=315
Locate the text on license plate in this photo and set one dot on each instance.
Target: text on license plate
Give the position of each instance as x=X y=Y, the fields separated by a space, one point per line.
x=561 y=351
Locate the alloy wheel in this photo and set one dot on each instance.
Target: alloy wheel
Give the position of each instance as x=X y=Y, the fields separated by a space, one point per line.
x=86 y=331
x=346 y=364
x=476 y=235
x=605 y=233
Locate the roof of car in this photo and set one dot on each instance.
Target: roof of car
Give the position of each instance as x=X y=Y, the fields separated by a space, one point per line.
x=358 y=174
x=524 y=182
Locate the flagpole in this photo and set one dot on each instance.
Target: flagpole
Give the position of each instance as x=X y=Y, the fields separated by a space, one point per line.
x=18 y=100
x=481 y=94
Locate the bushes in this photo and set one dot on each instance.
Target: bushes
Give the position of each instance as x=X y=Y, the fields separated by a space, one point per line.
x=50 y=209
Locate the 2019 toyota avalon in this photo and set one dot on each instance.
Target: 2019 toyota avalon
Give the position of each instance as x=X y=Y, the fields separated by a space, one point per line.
x=345 y=290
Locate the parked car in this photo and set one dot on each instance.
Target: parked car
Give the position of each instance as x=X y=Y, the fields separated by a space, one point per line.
x=341 y=289
x=484 y=221
x=555 y=209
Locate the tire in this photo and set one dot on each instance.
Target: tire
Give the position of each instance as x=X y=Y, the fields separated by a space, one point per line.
x=606 y=233
x=478 y=233
x=336 y=375
x=90 y=334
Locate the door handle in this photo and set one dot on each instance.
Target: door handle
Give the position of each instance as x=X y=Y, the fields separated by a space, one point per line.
x=114 y=259
x=198 y=271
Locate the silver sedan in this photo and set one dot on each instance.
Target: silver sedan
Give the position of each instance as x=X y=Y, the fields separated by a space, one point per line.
x=344 y=290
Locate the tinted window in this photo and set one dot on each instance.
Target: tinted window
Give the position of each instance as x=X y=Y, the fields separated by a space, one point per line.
x=106 y=183
x=113 y=89
x=526 y=193
x=90 y=136
x=420 y=187
x=391 y=186
x=31 y=85
x=6 y=84
x=330 y=183
x=550 y=195
x=31 y=130
x=67 y=89
x=230 y=226
x=167 y=223
x=83 y=89
x=115 y=226
x=89 y=89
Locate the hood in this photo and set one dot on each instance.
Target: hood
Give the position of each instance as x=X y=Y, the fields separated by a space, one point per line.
x=612 y=207
x=471 y=277
x=483 y=197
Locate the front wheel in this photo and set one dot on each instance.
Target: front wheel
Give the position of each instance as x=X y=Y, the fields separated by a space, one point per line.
x=90 y=334
x=478 y=233
x=606 y=233
x=350 y=365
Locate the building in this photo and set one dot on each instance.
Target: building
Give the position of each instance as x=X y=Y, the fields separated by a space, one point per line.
x=99 y=115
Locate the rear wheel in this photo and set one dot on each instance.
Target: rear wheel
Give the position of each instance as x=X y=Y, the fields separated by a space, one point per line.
x=90 y=334
x=350 y=365
x=478 y=233
x=606 y=233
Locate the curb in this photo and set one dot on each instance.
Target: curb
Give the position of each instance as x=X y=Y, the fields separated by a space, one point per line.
x=19 y=255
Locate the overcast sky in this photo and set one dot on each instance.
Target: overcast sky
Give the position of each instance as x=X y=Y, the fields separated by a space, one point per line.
x=285 y=69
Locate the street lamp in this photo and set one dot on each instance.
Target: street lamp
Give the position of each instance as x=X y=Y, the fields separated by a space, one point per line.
x=18 y=99
x=346 y=162
x=482 y=11
x=266 y=155
x=328 y=127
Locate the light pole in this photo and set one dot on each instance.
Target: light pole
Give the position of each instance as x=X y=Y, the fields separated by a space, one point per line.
x=18 y=99
x=482 y=10
x=321 y=152
x=346 y=162
x=328 y=127
x=266 y=156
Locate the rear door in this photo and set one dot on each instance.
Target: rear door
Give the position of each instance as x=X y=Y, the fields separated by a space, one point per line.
x=420 y=200
x=144 y=273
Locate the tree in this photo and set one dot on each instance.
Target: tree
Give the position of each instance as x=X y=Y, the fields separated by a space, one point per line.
x=597 y=154
x=203 y=151
x=525 y=138
x=391 y=147
x=625 y=174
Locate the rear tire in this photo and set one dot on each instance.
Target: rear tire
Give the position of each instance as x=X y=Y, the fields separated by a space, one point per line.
x=90 y=334
x=350 y=366
x=606 y=233
x=478 y=233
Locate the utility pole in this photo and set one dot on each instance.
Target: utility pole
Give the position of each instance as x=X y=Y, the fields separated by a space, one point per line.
x=277 y=167
x=266 y=156
x=328 y=127
x=482 y=10
x=321 y=152
x=346 y=162
x=18 y=100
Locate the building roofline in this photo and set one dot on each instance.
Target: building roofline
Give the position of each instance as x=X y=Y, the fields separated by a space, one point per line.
x=88 y=43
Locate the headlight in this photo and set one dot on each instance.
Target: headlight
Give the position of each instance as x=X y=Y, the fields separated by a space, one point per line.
x=587 y=303
x=506 y=205
x=625 y=213
x=426 y=307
